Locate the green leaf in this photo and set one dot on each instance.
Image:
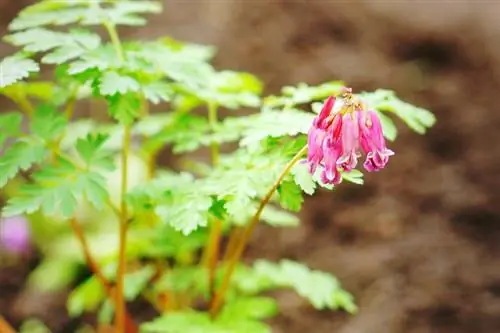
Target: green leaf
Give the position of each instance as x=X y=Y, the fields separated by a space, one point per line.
x=20 y=156
x=124 y=108
x=91 y=152
x=10 y=123
x=231 y=89
x=136 y=282
x=33 y=326
x=274 y=124
x=416 y=118
x=181 y=322
x=303 y=93
x=155 y=92
x=62 y=46
x=271 y=215
x=113 y=83
x=388 y=127
x=198 y=322
x=16 y=68
x=353 y=176
x=290 y=196
x=303 y=178
x=320 y=288
x=57 y=12
x=102 y=58
x=178 y=200
x=249 y=308
x=187 y=210
x=47 y=122
x=62 y=273
x=240 y=179
x=86 y=297
x=57 y=190
x=42 y=90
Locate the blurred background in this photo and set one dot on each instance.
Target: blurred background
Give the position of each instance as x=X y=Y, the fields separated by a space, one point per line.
x=419 y=244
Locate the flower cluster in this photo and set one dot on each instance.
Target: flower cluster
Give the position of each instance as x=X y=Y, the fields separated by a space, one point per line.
x=340 y=132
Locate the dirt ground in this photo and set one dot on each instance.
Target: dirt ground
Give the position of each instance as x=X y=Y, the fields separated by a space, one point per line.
x=419 y=244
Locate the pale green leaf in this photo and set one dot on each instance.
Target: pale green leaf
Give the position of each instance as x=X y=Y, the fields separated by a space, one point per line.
x=61 y=46
x=16 y=68
x=113 y=83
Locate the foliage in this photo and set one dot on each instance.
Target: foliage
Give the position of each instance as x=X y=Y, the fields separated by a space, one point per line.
x=100 y=173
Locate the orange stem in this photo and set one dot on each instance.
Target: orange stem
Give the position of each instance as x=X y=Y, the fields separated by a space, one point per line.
x=213 y=253
x=5 y=326
x=131 y=327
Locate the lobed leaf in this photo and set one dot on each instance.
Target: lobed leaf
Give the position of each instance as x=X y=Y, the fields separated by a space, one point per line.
x=320 y=288
x=16 y=68
x=63 y=12
x=416 y=118
x=20 y=156
x=61 y=46
x=302 y=93
x=57 y=190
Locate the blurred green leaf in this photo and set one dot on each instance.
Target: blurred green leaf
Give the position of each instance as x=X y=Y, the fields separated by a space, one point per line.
x=321 y=289
x=57 y=12
x=61 y=46
x=16 y=68
x=86 y=297
x=416 y=118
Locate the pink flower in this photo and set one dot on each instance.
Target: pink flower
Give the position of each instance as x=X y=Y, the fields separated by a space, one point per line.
x=339 y=133
x=373 y=142
x=15 y=234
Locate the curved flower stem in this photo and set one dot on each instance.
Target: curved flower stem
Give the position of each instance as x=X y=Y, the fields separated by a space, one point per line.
x=243 y=239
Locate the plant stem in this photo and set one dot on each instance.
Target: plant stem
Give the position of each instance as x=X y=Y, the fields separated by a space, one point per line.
x=5 y=326
x=212 y=249
x=212 y=120
x=231 y=245
x=120 y=276
x=115 y=40
x=94 y=267
x=242 y=241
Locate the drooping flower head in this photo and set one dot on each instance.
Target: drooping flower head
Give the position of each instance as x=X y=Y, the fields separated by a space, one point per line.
x=339 y=133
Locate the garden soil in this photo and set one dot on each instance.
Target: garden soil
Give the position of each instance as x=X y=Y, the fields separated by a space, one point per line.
x=419 y=245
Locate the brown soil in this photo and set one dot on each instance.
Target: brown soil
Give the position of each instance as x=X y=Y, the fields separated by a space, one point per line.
x=419 y=244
